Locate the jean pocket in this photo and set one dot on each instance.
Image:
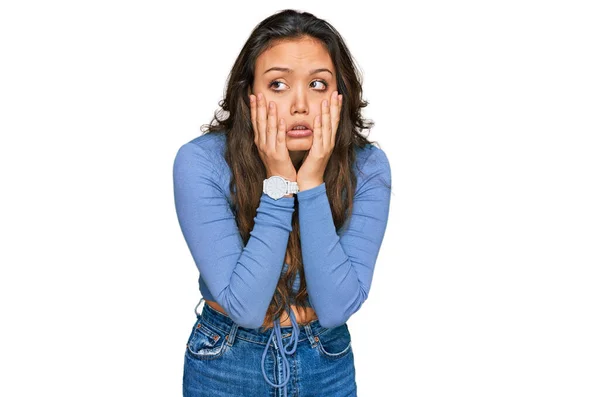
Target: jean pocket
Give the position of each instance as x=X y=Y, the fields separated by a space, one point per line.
x=334 y=343
x=205 y=341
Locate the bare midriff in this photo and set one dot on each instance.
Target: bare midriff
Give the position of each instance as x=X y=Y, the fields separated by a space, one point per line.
x=302 y=316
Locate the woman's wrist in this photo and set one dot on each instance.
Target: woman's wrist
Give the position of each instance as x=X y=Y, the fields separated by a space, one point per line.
x=291 y=179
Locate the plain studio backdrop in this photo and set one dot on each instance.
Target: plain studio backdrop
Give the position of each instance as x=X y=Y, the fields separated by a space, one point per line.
x=487 y=282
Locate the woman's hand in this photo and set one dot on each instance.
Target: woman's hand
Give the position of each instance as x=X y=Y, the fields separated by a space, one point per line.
x=270 y=138
x=325 y=127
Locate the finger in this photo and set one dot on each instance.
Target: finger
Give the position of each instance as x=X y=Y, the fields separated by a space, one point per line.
x=326 y=123
x=339 y=117
x=281 y=135
x=335 y=116
x=317 y=134
x=261 y=120
x=253 y=117
x=272 y=126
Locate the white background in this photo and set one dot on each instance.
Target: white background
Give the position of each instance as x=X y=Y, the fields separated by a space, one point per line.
x=487 y=282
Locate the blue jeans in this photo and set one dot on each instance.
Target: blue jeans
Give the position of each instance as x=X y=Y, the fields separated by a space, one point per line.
x=223 y=359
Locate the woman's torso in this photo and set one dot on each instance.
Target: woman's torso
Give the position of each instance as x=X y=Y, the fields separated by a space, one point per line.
x=303 y=316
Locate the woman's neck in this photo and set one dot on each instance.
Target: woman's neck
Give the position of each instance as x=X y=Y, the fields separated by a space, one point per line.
x=297 y=158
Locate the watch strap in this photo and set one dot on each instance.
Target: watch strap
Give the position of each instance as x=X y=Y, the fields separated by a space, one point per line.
x=292 y=187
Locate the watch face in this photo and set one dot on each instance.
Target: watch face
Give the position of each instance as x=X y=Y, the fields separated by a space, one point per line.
x=277 y=187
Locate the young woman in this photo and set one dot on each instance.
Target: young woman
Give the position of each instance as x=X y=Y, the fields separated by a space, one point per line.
x=283 y=205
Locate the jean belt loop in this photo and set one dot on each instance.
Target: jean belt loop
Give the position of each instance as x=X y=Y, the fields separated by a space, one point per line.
x=231 y=335
x=309 y=334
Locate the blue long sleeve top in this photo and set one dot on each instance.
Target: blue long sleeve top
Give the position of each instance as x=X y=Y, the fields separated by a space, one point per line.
x=338 y=264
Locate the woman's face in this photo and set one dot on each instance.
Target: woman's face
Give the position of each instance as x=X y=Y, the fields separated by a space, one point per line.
x=298 y=91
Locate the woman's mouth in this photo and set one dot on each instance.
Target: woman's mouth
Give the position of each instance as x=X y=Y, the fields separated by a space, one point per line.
x=299 y=132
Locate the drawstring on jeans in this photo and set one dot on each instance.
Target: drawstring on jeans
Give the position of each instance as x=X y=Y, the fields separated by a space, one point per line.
x=279 y=345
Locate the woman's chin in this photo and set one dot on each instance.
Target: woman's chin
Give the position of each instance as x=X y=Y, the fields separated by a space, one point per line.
x=299 y=143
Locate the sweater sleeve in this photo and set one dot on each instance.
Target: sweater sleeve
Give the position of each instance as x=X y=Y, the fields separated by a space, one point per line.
x=339 y=268
x=241 y=279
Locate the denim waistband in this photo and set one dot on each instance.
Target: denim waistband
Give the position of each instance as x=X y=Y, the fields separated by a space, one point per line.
x=294 y=334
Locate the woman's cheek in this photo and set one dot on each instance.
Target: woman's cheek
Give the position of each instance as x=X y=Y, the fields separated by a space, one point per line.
x=315 y=110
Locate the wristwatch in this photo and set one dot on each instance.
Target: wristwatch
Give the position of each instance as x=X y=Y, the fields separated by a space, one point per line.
x=277 y=186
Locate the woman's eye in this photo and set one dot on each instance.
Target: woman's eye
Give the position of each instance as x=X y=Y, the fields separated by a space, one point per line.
x=322 y=82
x=273 y=85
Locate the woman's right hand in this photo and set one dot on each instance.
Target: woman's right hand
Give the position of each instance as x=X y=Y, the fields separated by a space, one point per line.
x=270 y=138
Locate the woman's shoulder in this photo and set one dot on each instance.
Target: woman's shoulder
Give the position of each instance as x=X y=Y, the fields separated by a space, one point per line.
x=212 y=142
x=210 y=146
x=204 y=154
x=371 y=158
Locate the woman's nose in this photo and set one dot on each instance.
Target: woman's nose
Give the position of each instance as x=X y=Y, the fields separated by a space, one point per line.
x=300 y=104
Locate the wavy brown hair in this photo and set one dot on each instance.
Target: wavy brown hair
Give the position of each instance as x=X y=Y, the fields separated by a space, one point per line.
x=241 y=154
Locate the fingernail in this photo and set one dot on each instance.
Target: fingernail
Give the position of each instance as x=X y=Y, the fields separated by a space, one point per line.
x=326 y=102
x=259 y=96
x=271 y=105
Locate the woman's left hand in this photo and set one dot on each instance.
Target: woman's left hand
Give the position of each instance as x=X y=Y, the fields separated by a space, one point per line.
x=325 y=127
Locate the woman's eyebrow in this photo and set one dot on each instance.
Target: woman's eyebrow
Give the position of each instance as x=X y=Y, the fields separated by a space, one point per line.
x=288 y=70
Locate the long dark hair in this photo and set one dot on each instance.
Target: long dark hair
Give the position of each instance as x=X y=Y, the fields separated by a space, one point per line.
x=248 y=170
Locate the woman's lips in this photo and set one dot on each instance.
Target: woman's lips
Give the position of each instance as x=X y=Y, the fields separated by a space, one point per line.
x=299 y=133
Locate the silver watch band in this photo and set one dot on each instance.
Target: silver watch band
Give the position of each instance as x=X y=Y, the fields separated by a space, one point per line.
x=292 y=187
